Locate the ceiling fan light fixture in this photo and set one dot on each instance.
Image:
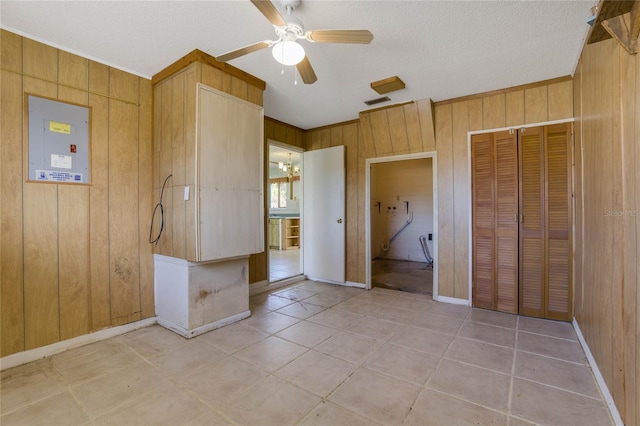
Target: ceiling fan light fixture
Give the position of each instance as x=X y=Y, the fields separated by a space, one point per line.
x=288 y=52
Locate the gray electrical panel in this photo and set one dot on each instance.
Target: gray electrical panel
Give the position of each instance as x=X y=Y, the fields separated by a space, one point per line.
x=58 y=141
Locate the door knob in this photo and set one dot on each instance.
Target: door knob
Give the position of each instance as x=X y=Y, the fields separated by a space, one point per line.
x=339 y=220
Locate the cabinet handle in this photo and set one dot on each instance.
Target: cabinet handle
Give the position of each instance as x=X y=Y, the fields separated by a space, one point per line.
x=521 y=218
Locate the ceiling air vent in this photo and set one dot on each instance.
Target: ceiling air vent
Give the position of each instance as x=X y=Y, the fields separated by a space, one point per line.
x=377 y=100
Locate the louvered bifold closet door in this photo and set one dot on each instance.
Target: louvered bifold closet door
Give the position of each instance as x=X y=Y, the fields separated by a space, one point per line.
x=532 y=187
x=483 y=205
x=506 y=225
x=545 y=228
x=557 y=215
x=495 y=226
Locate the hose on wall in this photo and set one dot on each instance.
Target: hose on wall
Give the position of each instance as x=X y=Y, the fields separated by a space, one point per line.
x=159 y=207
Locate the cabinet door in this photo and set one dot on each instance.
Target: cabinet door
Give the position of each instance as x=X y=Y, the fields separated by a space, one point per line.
x=495 y=226
x=229 y=147
x=545 y=230
x=506 y=223
x=558 y=220
x=483 y=205
x=532 y=257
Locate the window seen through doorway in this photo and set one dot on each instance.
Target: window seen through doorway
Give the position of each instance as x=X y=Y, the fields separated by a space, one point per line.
x=279 y=194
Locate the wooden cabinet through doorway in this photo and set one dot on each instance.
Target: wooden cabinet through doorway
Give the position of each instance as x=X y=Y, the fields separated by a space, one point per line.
x=521 y=202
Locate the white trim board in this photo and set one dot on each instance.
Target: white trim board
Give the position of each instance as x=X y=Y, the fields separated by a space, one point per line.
x=452 y=300
x=606 y=395
x=30 y=355
x=367 y=211
x=265 y=286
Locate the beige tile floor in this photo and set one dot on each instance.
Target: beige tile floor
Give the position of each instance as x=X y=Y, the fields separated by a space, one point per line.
x=320 y=354
x=283 y=264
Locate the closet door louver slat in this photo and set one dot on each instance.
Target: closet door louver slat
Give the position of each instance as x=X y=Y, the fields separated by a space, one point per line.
x=532 y=222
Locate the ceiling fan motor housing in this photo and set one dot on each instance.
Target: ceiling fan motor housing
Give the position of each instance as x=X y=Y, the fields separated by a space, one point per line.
x=290 y=4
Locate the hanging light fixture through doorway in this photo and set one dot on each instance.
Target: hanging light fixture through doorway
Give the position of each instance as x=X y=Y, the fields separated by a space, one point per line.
x=290 y=170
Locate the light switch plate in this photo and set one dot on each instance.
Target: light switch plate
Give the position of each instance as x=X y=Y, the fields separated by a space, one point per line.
x=186 y=193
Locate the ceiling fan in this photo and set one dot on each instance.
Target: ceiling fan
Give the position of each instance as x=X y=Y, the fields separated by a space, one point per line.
x=289 y=30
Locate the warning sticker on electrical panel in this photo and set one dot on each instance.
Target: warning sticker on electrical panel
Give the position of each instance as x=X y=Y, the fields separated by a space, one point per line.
x=55 y=176
x=61 y=161
x=56 y=126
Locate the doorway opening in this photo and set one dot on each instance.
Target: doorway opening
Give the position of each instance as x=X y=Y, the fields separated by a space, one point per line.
x=284 y=198
x=401 y=223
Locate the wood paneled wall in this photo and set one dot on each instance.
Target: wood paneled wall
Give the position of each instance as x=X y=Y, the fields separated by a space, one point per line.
x=607 y=226
x=443 y=127
x=74 y=258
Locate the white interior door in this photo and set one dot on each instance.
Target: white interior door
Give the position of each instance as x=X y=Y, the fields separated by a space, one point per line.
x=323 y=217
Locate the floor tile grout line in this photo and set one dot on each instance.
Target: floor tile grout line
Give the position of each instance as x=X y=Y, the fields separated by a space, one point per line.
x=559 y=388
x=67 y=388
x=548 y=335
x=476 y=366
x=555 y=358
x=461 y=398
x=513 y=368
x=443 y=356
x=487 y=343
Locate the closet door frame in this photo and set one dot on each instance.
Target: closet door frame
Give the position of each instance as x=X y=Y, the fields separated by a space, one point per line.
x=572 y=210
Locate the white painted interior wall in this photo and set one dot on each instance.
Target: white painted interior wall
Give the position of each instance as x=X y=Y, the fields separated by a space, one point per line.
x=393 y=183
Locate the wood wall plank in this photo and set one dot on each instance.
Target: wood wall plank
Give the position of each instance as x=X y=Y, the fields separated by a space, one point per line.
x=398 y=130
x=67 y=94
x=190 y=160
x=73 y=71
x=212 y=77
x=73 y=260
x=476 y=116
x=11 y=51
x=493 y=111
x=123 y=212
x=535 y=105
x=412 y=123
x=98 y=78
x=350 y=141
x=41 y=309
x=99 y=213
x=11 y=213
x=514 y=106
x=560 y=99
x=165 y=245
x=380 y=131
x=175 y=187
x=335 y=136
x=239 y=88
x=366 y=149
x=145 y=198
x=123 y=86
x=461 y=196
x=445 y=233
x=631 y=200
x=39 y=60
x=427 y=126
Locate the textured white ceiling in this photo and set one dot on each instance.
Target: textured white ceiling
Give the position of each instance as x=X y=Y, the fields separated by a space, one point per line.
x=440 y=49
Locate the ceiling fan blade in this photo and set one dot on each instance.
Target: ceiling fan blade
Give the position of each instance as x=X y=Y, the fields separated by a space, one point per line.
x=340 y=36
x=242 y=51
x=306 y=71
x=270 y=12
